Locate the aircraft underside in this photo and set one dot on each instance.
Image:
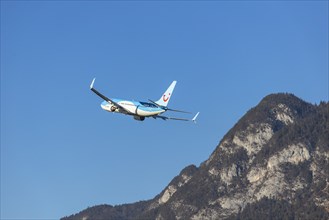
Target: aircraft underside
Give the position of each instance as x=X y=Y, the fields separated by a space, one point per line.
x=136 y=111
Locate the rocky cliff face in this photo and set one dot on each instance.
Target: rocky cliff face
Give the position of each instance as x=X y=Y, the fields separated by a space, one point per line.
x=277 y=155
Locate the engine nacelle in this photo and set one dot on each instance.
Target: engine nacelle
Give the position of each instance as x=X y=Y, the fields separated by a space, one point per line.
x=113 y=108
x=139 y=118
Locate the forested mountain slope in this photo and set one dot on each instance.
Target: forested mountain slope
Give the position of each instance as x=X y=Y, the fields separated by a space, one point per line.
x=273 y=163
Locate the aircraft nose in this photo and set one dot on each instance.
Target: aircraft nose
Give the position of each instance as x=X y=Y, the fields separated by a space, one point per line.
x=103 y=107
x=104 y=104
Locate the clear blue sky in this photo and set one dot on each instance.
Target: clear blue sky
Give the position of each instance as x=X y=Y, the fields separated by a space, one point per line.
x=60 y=152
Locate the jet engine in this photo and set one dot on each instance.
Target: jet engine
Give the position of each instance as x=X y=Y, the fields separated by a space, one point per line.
x=139 y=118
x=113 y=108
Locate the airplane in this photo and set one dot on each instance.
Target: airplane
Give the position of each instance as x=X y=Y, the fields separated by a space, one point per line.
x=141 y=110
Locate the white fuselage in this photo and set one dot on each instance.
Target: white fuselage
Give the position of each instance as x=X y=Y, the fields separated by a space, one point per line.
x=133 y=108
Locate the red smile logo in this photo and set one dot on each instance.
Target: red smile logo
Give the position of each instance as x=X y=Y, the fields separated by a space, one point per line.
x=165 y=99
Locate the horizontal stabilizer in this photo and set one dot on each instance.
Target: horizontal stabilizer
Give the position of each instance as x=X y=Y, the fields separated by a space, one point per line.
x=168 y=109
x=180 y=119
x=174 y=110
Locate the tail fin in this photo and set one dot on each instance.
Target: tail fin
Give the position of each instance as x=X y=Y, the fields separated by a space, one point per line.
x=163 y=101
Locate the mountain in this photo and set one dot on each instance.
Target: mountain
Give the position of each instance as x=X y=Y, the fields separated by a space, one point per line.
x=273 y=164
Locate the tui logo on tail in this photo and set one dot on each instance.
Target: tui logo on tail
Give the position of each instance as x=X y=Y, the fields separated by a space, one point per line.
x=164 y=98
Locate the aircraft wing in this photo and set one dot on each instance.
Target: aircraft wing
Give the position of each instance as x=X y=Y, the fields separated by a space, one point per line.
x=170 y=118
x=180 y=119
x=107 y=99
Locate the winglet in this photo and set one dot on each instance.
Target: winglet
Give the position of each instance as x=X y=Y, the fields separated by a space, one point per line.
x=92 y=83
x=194 y=118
